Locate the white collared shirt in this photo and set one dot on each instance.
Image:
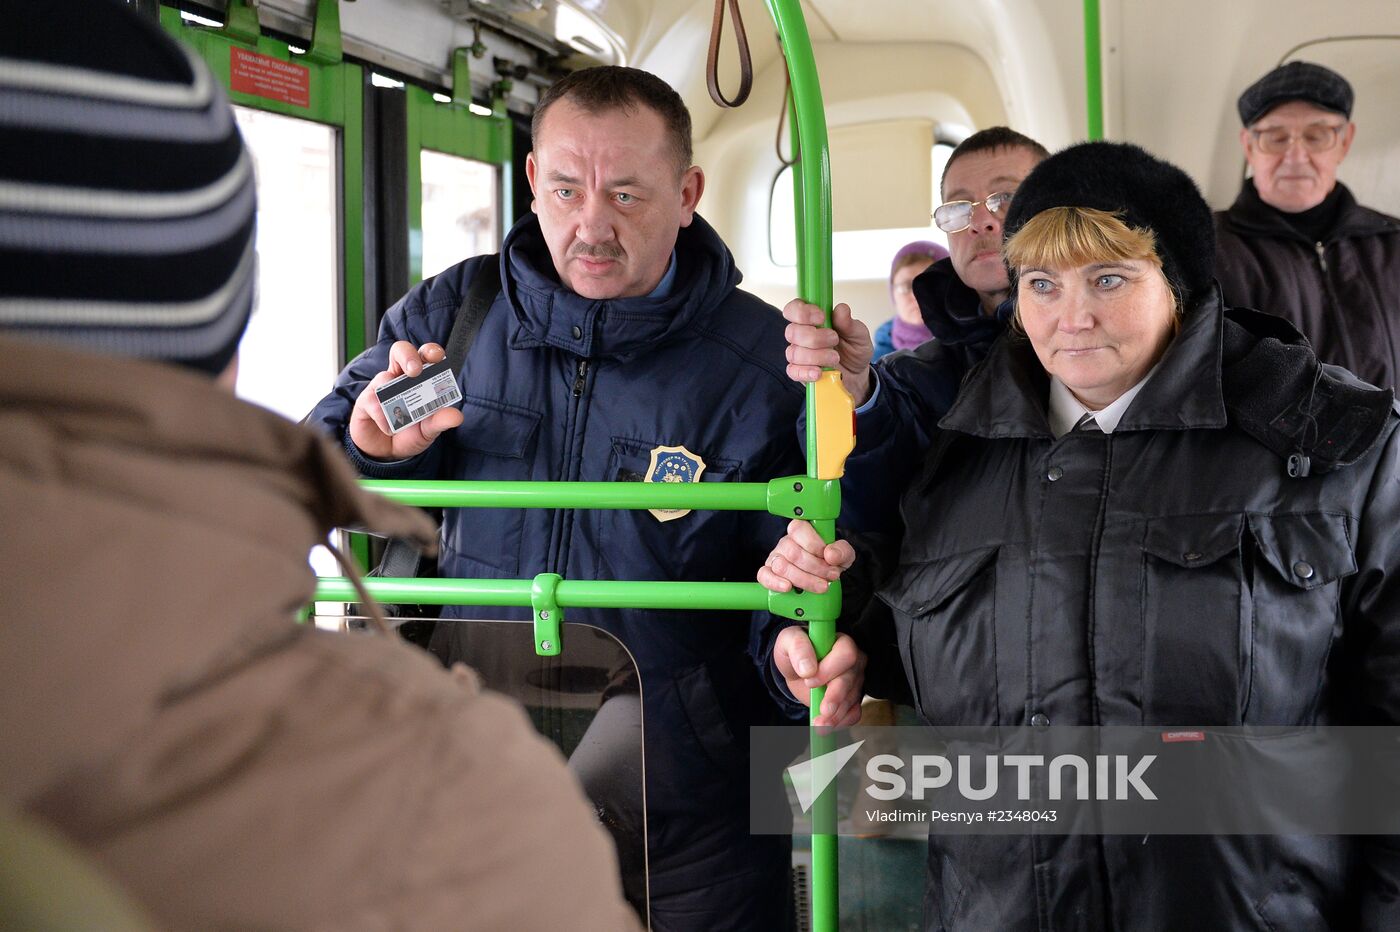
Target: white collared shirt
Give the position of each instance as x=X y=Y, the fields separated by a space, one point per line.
x=1066 y=410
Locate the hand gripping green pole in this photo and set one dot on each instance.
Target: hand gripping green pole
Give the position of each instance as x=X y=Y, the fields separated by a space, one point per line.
x=813 y=202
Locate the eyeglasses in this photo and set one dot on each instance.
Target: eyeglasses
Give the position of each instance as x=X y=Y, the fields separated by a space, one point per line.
x=956 y=216
x=1318 y=137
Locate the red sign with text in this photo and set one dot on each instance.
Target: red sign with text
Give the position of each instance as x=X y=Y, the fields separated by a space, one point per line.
x=1176 y=737
x=272 y=78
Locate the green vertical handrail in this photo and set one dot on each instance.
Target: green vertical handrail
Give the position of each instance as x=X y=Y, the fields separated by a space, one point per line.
x=1093 y=70
x=813 y=207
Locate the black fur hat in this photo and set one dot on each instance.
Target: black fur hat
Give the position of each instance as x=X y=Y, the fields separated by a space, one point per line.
x=1142 y=190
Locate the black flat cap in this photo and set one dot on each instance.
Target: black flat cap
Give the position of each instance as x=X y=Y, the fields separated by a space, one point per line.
x=1142 y=190
x=1297 y=80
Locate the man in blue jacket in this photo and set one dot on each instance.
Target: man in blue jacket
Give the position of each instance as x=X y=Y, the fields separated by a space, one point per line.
x=619 y=349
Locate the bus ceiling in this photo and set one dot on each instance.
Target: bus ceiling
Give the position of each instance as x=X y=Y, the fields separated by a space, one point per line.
x=528 y=43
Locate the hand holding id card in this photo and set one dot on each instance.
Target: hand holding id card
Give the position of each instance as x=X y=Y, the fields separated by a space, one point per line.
x=410 y=398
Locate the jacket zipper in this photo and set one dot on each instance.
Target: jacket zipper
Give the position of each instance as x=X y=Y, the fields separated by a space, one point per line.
x=562 y=526
x=1333 y=308
x=1321 y=256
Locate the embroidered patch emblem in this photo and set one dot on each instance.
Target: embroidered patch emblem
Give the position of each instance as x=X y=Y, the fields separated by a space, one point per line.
x=673 y=464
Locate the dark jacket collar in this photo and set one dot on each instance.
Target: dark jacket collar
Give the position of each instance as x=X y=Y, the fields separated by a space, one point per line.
x=547 y=313
x=952 y=311
x=1317 y=417
x=1009 y=394
x=1237 y=366
x=1250 y=216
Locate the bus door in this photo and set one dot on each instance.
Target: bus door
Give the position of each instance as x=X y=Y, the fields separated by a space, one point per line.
x=459 y=175
x=299 y=111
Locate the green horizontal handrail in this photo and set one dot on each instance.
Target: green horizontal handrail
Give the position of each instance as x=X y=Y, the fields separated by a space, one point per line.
x=789 y=497
x=709 y=496
x=548 y=594
x=570 y=593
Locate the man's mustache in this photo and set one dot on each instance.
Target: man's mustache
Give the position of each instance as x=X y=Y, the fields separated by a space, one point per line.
x=600 y=251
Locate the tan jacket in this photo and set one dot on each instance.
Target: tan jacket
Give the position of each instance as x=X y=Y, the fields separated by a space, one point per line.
x=230 y=768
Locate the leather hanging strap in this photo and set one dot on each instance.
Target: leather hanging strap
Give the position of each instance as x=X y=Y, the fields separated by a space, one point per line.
x=784 y=116
x=745 y=59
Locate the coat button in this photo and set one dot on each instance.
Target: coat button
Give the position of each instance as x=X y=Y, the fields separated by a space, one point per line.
x=1040 y=720
x=1055 y=474
x=1303 y=569
x=578 y=333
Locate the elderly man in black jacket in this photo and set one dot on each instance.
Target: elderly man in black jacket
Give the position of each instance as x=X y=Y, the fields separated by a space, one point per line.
x=1295 y=242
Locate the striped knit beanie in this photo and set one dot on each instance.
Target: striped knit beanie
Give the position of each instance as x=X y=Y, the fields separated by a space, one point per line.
x=126 y=195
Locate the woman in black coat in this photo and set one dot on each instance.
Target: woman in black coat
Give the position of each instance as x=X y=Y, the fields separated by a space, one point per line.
x=1143 y=509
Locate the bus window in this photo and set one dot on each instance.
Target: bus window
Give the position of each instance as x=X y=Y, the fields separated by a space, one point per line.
x=855 y=254
x=461 y=211
x=291 y=351
x=1372 y=65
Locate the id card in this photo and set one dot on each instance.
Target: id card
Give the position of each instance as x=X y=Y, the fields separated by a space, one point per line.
x=408 y=399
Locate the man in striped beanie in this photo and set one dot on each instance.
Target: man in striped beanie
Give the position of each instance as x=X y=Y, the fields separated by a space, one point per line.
x=126 y=196
x=165 y=719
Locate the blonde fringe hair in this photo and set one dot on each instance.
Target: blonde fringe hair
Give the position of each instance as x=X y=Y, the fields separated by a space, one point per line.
x=1068 y=237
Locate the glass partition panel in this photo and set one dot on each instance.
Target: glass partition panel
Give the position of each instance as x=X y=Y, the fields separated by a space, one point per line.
x=291 y=353
x=587 y=701
x=461 y=213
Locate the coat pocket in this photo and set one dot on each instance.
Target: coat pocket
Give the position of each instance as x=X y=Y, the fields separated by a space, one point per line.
x=698 y=544
x=1195 y=657
x=1299 y=560
x=1292 y=903
x=705 y=714
x=945 y=614
x=495 y=442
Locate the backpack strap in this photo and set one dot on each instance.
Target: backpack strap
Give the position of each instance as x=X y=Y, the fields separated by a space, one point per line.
x=481 y=294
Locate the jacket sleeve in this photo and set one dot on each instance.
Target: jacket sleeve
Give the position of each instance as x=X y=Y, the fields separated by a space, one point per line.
x=916 y=388
x=424 y=315
x=761 y=532
x=884 y=340
x=1237 y=272
x=863 y=616
x=1371 y=607
x=868 y=620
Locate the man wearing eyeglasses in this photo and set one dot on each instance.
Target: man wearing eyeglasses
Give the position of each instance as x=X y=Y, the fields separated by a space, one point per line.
x=963 y=299
x=1296 y=242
